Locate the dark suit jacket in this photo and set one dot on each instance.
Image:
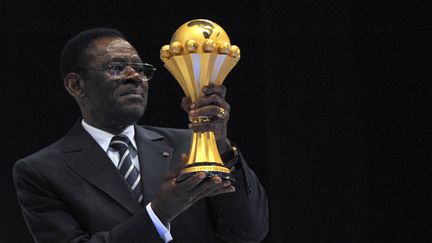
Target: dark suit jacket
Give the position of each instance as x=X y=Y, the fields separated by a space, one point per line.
x=71 y=192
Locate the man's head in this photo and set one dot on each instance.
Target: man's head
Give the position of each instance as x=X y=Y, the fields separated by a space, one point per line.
x=101 y=70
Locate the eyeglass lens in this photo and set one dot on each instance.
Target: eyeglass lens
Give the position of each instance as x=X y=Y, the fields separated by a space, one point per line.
x=145 y=70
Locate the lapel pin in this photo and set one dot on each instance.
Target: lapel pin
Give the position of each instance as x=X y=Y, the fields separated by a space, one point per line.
x=165 y=154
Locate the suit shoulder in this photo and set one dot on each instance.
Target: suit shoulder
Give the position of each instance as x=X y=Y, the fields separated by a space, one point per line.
x=43 y=154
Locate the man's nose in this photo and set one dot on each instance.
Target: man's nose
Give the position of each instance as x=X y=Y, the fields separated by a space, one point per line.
x=132 y=74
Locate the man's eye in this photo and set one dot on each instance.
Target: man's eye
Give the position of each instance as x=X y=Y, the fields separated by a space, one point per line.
x=117 y=67
x=138 y=68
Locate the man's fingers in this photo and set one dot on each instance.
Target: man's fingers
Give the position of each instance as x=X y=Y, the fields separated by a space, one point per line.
x=214 y=187
x=192 y=181
x=177 y=170
x=206 y=185
x=215 y=126
x=215 y=192
x=209 y=111
x=214 y=89
x=213 y=99
x=184 y=158
x=223 y=191
x=186 y=102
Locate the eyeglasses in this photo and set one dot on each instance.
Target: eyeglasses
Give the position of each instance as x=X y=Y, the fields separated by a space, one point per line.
x=121 y=69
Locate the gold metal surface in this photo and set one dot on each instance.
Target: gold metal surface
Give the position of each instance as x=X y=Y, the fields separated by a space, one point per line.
x=200 y=54
x=200 y=30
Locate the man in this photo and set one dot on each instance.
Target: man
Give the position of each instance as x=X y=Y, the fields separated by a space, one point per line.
x=110 y=180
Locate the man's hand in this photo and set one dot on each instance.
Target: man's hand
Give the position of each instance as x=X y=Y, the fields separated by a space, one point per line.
x=213 y=106
x=174 y=198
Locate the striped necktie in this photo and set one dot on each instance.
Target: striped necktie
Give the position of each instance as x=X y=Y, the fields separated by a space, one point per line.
x=121 y=144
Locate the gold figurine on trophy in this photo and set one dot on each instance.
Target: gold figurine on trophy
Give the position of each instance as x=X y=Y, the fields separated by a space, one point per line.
x=200 y=54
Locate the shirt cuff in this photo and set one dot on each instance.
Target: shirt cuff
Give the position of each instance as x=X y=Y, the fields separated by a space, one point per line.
x=163 y=231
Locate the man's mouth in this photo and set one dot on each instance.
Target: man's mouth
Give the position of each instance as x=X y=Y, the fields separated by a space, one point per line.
x=133 y=93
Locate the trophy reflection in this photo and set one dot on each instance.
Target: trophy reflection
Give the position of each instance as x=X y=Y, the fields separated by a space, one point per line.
x=200 y=54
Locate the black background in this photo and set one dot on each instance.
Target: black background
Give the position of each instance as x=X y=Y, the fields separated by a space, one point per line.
x=330 y=104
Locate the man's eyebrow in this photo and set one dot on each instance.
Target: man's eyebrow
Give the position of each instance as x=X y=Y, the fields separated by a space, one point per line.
x=136 y=59
x=126 y=59
x=119 y=59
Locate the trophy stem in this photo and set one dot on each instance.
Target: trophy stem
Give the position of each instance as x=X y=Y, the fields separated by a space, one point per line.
x=204 y=157
x=204 y=148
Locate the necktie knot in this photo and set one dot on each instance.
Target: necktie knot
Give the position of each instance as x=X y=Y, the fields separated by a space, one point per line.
x=120 y=143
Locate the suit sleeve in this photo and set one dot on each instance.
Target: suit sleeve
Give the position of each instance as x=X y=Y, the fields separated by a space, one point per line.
x=50 y=220
x=242 y=216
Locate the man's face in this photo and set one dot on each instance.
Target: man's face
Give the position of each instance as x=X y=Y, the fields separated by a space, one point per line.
x=108 y=99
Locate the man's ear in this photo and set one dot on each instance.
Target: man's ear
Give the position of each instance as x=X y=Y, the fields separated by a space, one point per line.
x=74 y=84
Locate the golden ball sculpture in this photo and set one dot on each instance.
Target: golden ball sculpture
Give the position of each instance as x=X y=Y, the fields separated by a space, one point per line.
x=199 y=36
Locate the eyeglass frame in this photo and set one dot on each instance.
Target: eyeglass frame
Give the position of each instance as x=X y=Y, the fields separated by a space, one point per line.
x=124 y=64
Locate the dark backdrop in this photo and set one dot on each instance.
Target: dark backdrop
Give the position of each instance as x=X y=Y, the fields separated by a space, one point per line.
x=330 y=104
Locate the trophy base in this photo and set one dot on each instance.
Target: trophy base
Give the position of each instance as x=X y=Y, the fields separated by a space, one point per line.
x=210 y=169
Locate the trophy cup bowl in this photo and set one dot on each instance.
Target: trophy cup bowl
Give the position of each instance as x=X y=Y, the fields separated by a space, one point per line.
x=200 y=54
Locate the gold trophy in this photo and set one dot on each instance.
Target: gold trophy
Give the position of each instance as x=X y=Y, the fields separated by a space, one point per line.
x=200 y=54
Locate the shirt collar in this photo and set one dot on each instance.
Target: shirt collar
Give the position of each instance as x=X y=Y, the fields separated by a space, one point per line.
x=103 y=138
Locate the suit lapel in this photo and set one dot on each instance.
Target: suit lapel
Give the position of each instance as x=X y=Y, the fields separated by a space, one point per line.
x=92 y=163
x=155 y=159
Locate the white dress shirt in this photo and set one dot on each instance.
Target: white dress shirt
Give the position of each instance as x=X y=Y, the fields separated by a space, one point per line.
x=103 y=138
